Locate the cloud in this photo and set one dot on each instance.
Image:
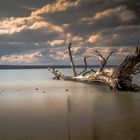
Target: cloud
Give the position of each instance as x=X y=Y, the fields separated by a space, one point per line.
x=127 y=15
x=88 y=24
x=26 y=7
x=119 y=36
x=94 y=38
x=60 y=5
x=61 y=55
x=35 y=21
x=56 y=42
x=121 y=12
x=21 y=57
x=15 y=25
x=124 y=51
x=73 y=38
x=120 y=52
x=58 y=53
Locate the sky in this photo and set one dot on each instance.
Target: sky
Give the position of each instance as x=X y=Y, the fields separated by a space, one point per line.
x=38 y=32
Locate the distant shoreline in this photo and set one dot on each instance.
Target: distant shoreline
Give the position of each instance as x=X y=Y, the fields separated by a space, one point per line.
x=45 y=66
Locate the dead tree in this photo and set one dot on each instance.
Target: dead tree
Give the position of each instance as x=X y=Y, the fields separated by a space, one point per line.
x=71 y=60
x=117 y=78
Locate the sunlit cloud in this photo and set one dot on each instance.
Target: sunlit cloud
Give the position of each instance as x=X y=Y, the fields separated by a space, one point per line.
x=121 y=12
x=56 y=42
x=14 y=25
x=60 y=5
x=124 y=51
x=77 y=50
x=61 y=55
x=58 y=54
x=74 y=38
x=94 y=38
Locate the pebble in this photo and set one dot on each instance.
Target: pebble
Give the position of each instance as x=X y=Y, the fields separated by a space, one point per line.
x=67 y=90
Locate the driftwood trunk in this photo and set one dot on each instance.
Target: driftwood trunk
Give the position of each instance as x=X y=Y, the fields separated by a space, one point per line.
x=117 y=78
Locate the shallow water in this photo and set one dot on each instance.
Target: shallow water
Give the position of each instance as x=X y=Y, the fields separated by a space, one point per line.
x=35 y=107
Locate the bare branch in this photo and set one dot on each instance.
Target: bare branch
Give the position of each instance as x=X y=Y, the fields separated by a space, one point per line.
x=71 y=60
x=85 y=72
x=97 y=54
x=105 y=62
x=102 y=59
x=85 y=62
x=55 y=72
x=88 y=72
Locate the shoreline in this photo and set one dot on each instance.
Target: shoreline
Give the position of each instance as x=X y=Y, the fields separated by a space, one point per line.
x=46 y=66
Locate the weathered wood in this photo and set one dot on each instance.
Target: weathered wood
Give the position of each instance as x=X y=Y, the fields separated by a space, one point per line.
x=85 y=62
x=102 y=59
x=105 y=61
x=117 y=78
x=71 y=60
x=129 y=67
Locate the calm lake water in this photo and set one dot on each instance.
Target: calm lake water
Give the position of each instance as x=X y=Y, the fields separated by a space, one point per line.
x=35 y=107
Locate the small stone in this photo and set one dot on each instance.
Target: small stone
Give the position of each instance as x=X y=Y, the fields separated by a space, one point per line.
x=36 y=89
x=67 y=90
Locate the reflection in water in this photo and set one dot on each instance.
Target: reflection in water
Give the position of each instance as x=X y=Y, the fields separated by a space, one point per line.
x=68 y=117
x=104 y=117
x=44 y=110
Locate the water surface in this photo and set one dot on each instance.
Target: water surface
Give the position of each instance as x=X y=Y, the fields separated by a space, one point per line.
x=35 y=107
